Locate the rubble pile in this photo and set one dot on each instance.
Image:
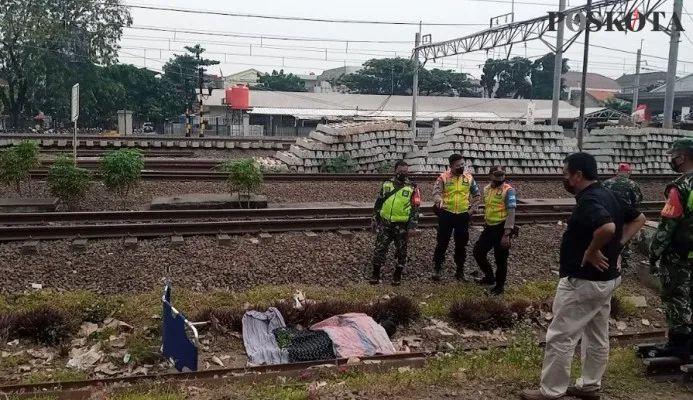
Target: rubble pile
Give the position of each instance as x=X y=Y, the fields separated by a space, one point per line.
x=644 y=148
x=369 y=146
x=522 y=149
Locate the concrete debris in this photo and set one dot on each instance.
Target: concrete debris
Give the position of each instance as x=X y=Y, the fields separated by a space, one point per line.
x=638 y=301
x=13 y=343
x=645 y=322
x=217 y=361
x=36 y=286
x=353 y=361
x=84 y=358
x=621 y=326
x=116 y=324
x=88 y=328
x=107 y=369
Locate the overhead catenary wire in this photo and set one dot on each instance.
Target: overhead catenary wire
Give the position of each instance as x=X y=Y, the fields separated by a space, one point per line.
x=294 y=18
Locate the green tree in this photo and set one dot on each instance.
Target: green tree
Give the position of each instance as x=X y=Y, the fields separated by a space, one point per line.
x=438 y=82
x=381 y=76
x=68 y=182
x=506 y=78
x=16 y=164
x=121 y=170
x=280 y=82
x=182 y=75
x=36 y=36
x=245 y=178
x=618 y=105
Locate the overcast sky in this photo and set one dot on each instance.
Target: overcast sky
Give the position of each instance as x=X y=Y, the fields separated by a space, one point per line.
x=150 y=48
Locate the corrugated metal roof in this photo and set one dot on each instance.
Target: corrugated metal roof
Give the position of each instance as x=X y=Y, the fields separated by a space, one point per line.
x=594 y=81
x=305 y=113
x=684 y=84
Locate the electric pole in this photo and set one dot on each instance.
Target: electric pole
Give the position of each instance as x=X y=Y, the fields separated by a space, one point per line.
x=671 y=70
x=636 y=84
x=558 y=66
x=415 y=85
x=200 y=80
x=583 y=84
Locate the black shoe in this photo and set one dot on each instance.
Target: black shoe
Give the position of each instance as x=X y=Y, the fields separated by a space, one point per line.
x=375 y=278
x=397 y=277
x=496 y=291
x=476 y=274
x=459 y=275
x=436 y=273
x=485 y=281
x=582 y=394
x=678 y=346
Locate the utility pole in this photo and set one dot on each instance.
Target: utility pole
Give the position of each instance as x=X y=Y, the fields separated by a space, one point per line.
x=636 y=84
x=415 y=85
x=583 y=84
x=200 y=80
x=671 y=70
x=558 y=66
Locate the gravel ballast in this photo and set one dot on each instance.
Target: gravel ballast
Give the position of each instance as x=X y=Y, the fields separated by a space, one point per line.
x=201 y=264
x=291 y=192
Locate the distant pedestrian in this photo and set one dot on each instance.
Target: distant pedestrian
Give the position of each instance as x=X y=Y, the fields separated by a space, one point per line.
x=396 y=213
x=597 y=230
x=455 y=197
x=629 y=192
x=500 y=202
x=673 y=243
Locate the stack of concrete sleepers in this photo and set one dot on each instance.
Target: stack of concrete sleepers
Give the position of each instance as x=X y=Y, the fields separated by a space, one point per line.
x=368 y=145
x=644 y=148
x=522 y=149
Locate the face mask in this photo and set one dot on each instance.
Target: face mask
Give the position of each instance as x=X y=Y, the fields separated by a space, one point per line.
x=674 y=165
x=459 y=170
x=497 y=183
x=568 y=187
x=401 y=176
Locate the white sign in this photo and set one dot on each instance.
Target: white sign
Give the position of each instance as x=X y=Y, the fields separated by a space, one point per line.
x=75 y=102
x=529 y=120
x=685 y=111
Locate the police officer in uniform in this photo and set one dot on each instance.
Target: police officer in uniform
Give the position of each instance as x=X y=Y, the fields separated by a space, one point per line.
x=673 y=245
x=396 y=213
x=629 y=192
x=500 y=201
x=455 y=197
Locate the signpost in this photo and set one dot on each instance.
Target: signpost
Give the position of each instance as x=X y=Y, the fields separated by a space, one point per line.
x=75 y=116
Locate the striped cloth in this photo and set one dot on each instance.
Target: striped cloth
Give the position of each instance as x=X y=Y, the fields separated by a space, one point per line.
x=258 y=337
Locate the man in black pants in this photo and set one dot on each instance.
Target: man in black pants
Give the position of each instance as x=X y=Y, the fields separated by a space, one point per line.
x=455 y=194
x=500 y=201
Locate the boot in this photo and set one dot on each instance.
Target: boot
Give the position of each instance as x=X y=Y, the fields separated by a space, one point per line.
x=436 y=273
x=397 y=277
x=486 y=280
x=459 y=275
x=496 y=290
x=678 y=346
x=375 y=278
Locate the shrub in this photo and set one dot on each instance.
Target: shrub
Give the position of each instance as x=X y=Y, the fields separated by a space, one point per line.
x=68 y=182
x=343 y=164
x=121 y=170
x=482 y=314
x=400 y=310
x=45 y=326
x=222 y=318
x=245 y=177
x=520 y=307
x=16 y=164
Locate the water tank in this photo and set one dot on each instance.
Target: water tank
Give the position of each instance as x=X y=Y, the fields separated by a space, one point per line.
x=239 y=99
x=227 y=96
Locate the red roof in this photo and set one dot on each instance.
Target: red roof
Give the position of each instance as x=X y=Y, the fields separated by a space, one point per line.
x=601 y=95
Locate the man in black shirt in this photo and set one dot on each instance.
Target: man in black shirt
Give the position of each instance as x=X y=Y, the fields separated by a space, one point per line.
x=597 y=230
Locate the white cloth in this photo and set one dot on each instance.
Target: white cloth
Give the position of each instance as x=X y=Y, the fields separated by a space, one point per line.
x=581 y=309
x=258 y=337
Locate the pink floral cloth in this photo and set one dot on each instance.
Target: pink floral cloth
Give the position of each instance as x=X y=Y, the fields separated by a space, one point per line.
x=356 y=335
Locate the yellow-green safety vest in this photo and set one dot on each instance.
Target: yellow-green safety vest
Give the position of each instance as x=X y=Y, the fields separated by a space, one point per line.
x=495 y=210
x=397 y=207
x=456 y=192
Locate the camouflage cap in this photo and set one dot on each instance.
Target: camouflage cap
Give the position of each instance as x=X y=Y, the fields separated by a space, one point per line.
x=685 y=144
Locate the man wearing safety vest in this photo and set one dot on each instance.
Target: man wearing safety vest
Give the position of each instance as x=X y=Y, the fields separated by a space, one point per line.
x=455 y=196
x=500 y=201
x=673 y=244
x=396 y=213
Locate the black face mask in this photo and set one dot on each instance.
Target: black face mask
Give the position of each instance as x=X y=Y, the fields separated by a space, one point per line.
x=401 y=176
x=495 y=183
x=568 y=187
x=675 y=166
x=459 y=170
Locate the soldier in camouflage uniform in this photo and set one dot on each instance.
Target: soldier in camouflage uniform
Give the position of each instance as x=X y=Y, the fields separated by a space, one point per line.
x=673 y=244
x=628 y=192
x=396 y=213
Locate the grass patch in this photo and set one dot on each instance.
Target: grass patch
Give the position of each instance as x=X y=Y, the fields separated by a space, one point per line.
x=149 y=392
x=14 y=360
x=56 y=375
x=143 y=349
x=622 y=307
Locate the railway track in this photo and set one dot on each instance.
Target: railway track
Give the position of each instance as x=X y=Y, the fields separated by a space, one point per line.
x=74 y=390
x=182 y=171
x=316 y=223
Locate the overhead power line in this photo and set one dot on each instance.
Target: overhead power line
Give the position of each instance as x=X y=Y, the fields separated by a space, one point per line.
x=290 y=18
x=262 y=37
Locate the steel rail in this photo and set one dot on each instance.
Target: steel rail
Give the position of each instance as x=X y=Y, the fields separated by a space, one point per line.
x=294 y=212
x=268 y=371
x=185 y=173
x=242 y=227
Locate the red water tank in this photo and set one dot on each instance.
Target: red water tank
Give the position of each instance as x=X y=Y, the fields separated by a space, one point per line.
x=228 y=96
x=240 y=98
